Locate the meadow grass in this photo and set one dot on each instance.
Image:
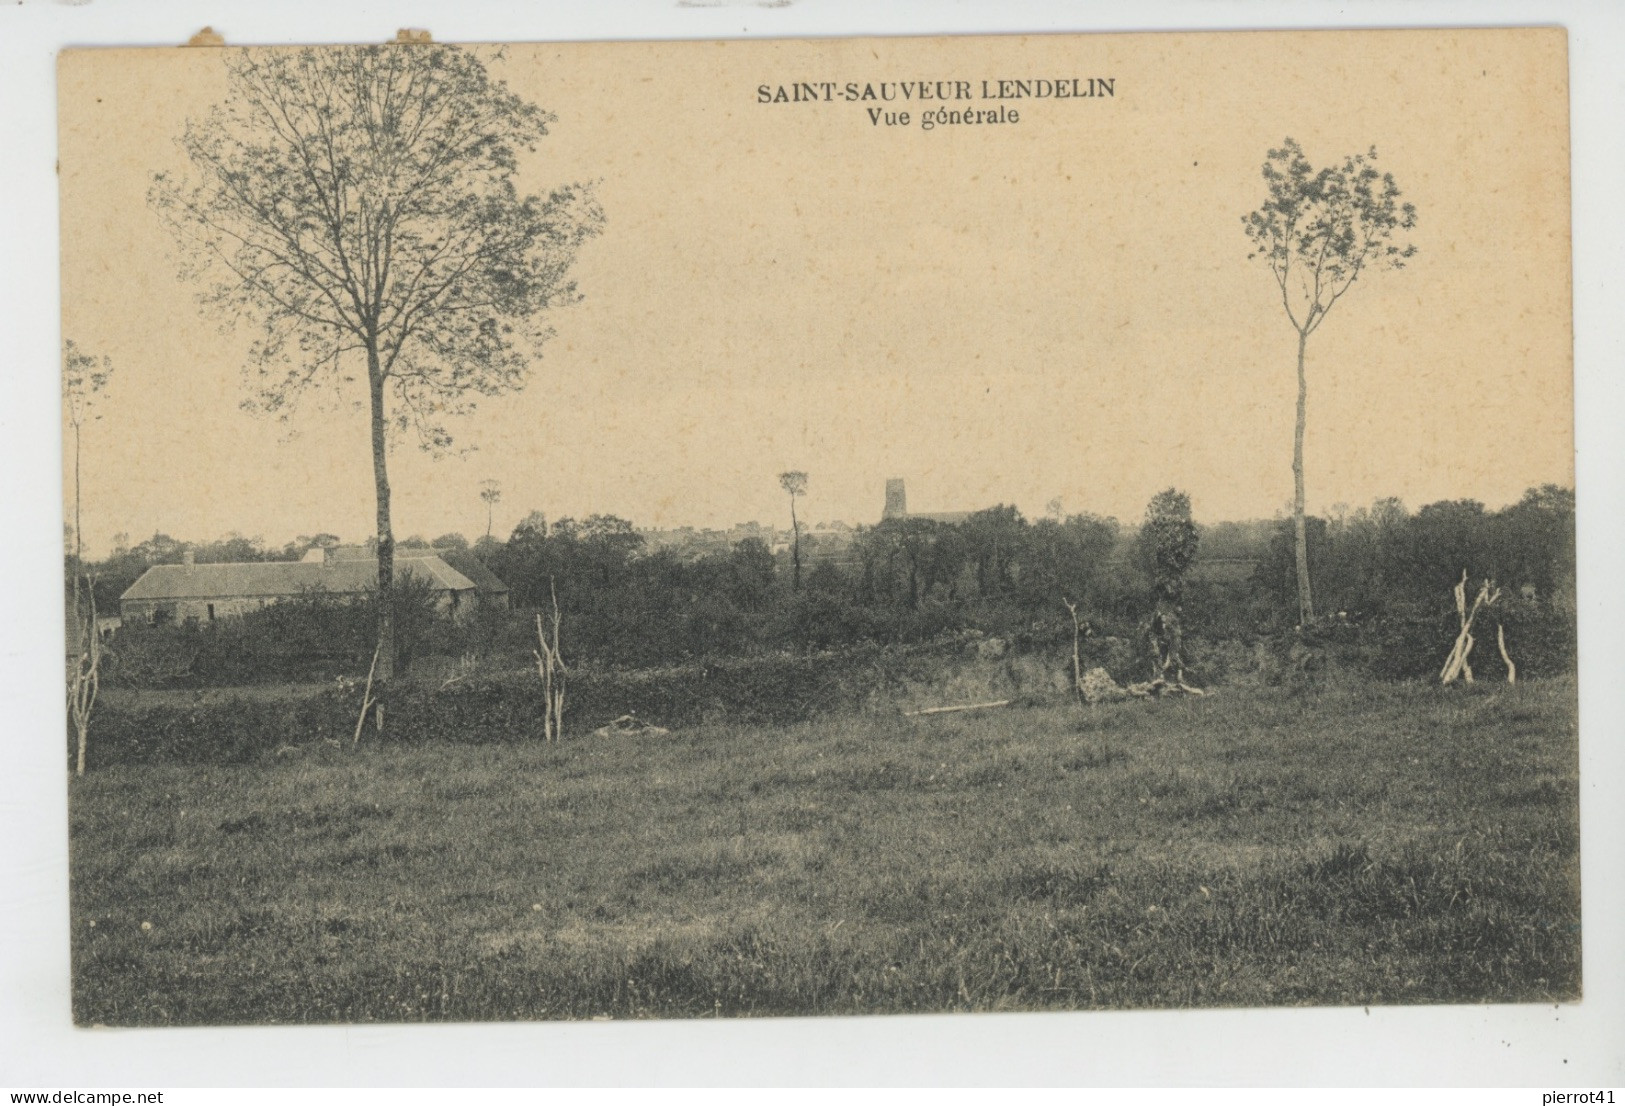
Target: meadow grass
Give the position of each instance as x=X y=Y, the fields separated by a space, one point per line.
x=1347 y=844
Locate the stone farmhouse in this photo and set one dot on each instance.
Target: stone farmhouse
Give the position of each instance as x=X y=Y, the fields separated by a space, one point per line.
x=190 y=592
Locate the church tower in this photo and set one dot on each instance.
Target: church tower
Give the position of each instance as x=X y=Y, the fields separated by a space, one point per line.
x=896 y=501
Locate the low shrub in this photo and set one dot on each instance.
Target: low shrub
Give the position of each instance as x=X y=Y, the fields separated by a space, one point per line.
x=773 y=688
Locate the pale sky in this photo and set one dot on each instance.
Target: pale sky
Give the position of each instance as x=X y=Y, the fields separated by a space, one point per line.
x=1061 y=307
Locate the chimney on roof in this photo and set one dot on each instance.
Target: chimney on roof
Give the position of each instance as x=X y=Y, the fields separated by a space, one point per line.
x=188 y=558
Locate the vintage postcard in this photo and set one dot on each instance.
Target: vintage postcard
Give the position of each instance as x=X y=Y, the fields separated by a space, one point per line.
x=852 y=526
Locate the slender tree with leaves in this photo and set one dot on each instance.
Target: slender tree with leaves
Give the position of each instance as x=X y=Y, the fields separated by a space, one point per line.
x=363 y=205
x=491 y=493
x=795 y=486
x=1319 y=231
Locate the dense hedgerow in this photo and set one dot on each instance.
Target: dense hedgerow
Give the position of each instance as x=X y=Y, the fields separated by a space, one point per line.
x=777 y=688
x=784 y=687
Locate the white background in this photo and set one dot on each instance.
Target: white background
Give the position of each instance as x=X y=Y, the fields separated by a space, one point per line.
x=1547 y=1047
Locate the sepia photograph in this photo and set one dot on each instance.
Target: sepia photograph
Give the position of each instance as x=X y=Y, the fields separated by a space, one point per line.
x=822 y=526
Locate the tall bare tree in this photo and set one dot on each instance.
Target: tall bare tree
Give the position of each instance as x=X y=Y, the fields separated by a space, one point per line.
x=362 y=204
x=795 y=486
x=83 y=377
x=1319 y=230
x=491 y=493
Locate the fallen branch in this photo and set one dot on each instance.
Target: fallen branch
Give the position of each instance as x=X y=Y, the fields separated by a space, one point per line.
x=629 y=725
x=1154 y=688
x=955 y=709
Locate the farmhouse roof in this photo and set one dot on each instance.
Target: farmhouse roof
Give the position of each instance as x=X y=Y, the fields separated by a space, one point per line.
x=475 y=569
x=462 y=560
x=283 y=578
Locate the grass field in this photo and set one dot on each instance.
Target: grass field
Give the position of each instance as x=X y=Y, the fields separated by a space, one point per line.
x=1353 y=844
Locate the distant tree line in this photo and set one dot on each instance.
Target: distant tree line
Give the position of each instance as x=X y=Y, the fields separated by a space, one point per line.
x=1370 y=561
x=912 y=580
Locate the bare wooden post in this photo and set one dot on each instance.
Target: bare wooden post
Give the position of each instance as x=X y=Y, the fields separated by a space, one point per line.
x=548 y=671
x=85 y=682
x=1501 y=640
x=550 y=667
x=557 y=658
x=367 y=701
x=1457 y=664
x=1077 y=634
